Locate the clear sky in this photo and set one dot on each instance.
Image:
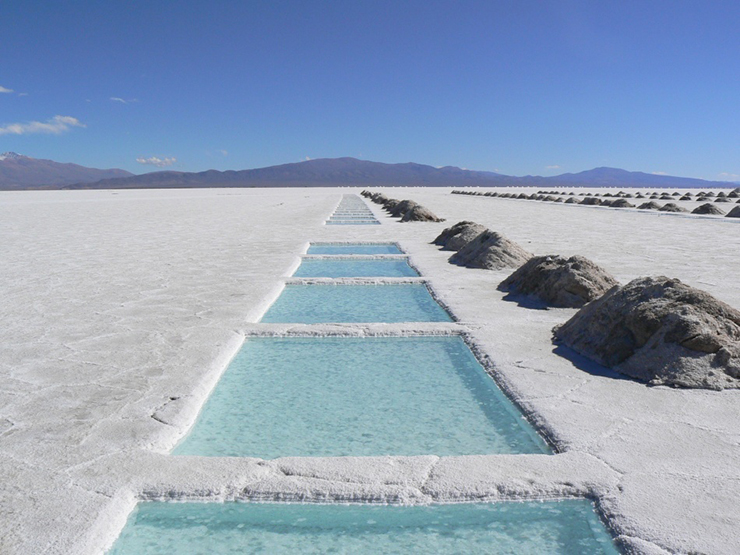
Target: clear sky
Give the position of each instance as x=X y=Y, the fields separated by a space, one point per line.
x=521 y=87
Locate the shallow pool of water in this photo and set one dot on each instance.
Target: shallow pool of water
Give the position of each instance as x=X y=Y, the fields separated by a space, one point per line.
x=354 y=248
x=313 y=304
x=344 y=267
x=530 y=528
x=352 y=222
x=349 y=396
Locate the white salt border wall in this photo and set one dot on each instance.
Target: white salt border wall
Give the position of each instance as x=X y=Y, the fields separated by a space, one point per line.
x=121 y=309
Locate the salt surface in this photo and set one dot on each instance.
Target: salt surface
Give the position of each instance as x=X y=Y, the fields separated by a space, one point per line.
x=121 y=309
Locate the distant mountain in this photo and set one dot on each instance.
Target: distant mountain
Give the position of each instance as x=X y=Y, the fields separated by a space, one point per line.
x=323 y=172
x=326 y=172
x=23 y=172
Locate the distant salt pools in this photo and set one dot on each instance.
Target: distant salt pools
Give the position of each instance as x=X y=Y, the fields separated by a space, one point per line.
x=355 y=303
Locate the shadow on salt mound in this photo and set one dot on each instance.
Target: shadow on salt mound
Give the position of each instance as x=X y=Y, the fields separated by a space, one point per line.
x=557 y=281
x=491 y=251
x=661 y=331
x=708 y=208
x=402 y=207
x=456 y=237
x=734 y=213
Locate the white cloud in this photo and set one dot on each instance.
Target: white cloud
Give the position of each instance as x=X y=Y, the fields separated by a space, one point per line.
x=553 y=167
x=54 y=126
x=123 y=100
x=4 y=90
x=659 y=173
x=307 y=158
x=22 y=94
x=224 y=152
x=155 y=161
x=727 y=175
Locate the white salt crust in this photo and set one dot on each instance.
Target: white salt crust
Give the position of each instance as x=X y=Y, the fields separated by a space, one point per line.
x=121 y=310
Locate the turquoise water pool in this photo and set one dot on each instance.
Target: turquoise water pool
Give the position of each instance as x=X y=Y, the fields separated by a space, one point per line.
x=354 y=248
x=313 y=304
x=531 y=528
x=344 y=267
x=350 y=396
x=352 y=222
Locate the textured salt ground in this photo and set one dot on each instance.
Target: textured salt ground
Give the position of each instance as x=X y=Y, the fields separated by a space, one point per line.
x=122 y=308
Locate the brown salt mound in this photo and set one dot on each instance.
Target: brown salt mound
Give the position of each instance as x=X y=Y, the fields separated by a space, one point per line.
x=420 y=213
x=559 y=281
x=402 y=207
x=491 y=251
x=672 y=207
x=734 y=213
x=456 y=237
x=661 y=331
x=707 y=208
x=622 y=203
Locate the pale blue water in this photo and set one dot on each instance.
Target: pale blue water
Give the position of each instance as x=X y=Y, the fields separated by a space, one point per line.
x=350 y=396
x=344 y=267
x=353 y=248
x=348 y=222
x=313 y=304
x=568 y=527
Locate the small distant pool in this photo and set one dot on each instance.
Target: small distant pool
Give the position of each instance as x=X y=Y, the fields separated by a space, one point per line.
x=345 y=267
x=314 y=304
x=352 y=222
x=528 y=528
x=350 y=396
x=354 y=248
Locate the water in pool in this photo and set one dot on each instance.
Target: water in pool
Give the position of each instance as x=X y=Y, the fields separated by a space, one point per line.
x=313 y=304
x=528 y=528
x=346 y=267
x=354 y=248
x=352 y=222
x=350 y=396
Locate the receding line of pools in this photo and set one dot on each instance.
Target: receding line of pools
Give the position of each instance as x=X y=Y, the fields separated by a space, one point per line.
x=553 y=527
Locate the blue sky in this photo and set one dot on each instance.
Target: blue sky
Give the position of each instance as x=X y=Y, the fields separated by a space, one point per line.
x=520 y=87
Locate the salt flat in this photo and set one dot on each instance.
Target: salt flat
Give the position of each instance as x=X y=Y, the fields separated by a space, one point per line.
x=120 y=310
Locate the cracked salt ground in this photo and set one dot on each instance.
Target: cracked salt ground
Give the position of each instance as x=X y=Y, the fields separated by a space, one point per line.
x=70 y=483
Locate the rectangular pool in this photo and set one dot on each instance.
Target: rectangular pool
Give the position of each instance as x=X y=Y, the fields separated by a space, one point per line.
x=315 y=304
x=354 y=248
x=348 y=267
x=523 y=528
x=352 y=222
x=352 y=396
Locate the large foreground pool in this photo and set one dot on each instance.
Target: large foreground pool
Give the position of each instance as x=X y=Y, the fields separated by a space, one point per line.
x=338 y=396
x=532 y=528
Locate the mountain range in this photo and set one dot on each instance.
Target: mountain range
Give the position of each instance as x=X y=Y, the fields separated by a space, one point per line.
x=19 y=172
x=23 y=172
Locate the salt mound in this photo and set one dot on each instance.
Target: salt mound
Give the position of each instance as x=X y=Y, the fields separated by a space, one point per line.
x=402 y=207
x=662 y=331
x=559 y=281
x=391 y=203
x=622 y=203
x=672 y=207
x=734 y=213
x=652 y=205
x=455 y=237
x=491 y=251
x=420 y=213
x=707 y=208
